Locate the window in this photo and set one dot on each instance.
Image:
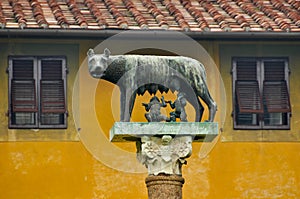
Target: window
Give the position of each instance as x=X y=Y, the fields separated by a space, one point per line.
x=261 y=93
x=37 y=92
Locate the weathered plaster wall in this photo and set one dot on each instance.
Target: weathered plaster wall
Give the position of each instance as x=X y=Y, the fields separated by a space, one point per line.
x=261 y=49
x=67 y=170
x=37 y=48
x=233 y=170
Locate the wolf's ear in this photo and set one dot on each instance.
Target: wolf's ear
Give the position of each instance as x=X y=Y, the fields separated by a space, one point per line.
x=90 y=52
x=106 y=52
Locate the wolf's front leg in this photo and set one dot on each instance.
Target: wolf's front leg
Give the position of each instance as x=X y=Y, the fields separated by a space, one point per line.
x=122 y=104
x=127 y=103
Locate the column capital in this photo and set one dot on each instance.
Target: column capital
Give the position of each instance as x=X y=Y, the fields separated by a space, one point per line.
x=165 y=154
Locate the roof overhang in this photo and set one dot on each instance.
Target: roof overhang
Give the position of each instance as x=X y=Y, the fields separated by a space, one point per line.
x=143 y=34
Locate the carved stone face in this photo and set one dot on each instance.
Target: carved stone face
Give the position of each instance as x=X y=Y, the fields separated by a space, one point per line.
x=166 y=139
x=98 y=63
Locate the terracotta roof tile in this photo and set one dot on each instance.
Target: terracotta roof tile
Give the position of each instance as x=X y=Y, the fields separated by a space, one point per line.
x=269 y=11
x=97 y=14
x=136 y=13
x=58 y=13
x=173 y=11
x=77 y=13
x=236 y=13
x=197 y=14
x=19 y=15
x=186 y=15
x=289 y=11
x=117 y=15
x=2 y=17
x=156 y=13
x=38 y=13
x=216 y=14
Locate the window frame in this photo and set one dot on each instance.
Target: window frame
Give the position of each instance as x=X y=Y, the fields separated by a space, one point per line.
x=37 y=77
x=260 y=77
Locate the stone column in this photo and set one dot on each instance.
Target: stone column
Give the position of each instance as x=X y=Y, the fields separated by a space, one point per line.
x=163 y=157
x=163 y=148
x=164 y=186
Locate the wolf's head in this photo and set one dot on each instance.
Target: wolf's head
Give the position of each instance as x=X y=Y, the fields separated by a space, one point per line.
x=98 y=63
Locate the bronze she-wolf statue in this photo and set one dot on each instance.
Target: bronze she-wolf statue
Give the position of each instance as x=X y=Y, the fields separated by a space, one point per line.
x=136 y=74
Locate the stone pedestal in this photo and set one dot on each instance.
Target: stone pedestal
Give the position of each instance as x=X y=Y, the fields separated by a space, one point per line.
x=164 y=186
x=133 y=131
x=163 y=149
x=164 y=157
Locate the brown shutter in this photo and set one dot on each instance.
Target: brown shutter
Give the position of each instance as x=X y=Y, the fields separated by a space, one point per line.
x=274 y=70
x=23 y=86
x=23 y=96
x=276 y=97
x=275 y=92
x=246 y=70
x=52 y=88
x=52 y=96
x=248 y=97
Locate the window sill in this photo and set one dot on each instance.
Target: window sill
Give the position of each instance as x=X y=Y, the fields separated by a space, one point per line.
x=14 y=135
x=259 y=136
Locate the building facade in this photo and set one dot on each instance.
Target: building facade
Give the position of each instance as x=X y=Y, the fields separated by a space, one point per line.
x=251 y=53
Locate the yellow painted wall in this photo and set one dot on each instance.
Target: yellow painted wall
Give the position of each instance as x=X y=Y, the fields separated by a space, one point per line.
x=37 y=48
x=262 y=49
x=65 y=169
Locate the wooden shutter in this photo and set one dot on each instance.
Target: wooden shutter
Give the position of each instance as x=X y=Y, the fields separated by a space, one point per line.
x=52 y=87
x=248 y=96
x=23 y=95
x=276 y=97
x=275 y=92
x=246 y=70
x=274 y=71
x=23 y=86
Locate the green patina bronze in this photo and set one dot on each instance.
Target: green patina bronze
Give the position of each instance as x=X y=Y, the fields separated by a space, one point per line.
x=133 y=131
